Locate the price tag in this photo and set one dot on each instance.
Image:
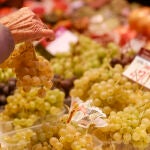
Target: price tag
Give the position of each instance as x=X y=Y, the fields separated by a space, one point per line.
x=139 y=69
x=62 y=42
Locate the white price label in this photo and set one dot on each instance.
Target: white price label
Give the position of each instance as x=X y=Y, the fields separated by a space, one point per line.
x=139 y=71
x=62 y=42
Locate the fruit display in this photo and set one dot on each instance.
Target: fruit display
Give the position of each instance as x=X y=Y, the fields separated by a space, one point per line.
x=50 y=136
x=125 y=103
x=80 y=99
x=68 y=136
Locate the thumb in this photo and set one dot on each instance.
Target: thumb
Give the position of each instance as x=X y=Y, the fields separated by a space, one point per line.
x=6 y=43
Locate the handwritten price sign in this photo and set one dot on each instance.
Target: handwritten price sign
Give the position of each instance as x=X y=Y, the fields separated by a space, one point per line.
x=139 y=71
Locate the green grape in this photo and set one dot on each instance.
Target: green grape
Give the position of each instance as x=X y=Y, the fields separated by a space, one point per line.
x=25 y=109
x=84 y=55
x=6 y=74
x=108 y=89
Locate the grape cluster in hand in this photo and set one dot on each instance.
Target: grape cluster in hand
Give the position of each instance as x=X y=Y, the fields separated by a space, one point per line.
x=31 y=70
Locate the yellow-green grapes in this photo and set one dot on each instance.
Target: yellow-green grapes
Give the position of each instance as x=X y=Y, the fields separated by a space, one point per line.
x=84 y=55
x=108 y=89
x=130 y=126
x=24 y=109
x=6 y=74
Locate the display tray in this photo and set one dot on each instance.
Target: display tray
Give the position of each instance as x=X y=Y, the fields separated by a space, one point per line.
x=24 y=136
x=21 y=140
x=8 y=126
x=117 y=146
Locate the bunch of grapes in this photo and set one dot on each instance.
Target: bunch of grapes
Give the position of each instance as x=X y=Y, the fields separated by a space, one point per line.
x=25 y=109
x=84 y=55
x=130 y=126
x=31 y=70
x=108 y=89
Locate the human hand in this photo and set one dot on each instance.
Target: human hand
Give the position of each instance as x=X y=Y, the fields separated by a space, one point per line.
x=24 y=25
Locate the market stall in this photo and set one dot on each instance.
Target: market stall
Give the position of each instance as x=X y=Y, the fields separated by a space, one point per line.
x=77 y=76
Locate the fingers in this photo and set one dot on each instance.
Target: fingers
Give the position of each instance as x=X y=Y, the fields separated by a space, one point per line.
x=22 y=35
x=26 y=26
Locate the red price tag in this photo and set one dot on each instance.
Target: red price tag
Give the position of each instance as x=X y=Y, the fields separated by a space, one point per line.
x=139 y=71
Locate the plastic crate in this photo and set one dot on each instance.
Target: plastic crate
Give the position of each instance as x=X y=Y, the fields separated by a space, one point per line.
x=17 y=144
x=112 y=145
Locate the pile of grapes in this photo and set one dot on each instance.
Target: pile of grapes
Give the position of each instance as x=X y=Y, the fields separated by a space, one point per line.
x=84 y=55
x=63 y=136
x=60 y=136
x=26 y=108
x=109 y=89
x=130 y=126
x=126 y=104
